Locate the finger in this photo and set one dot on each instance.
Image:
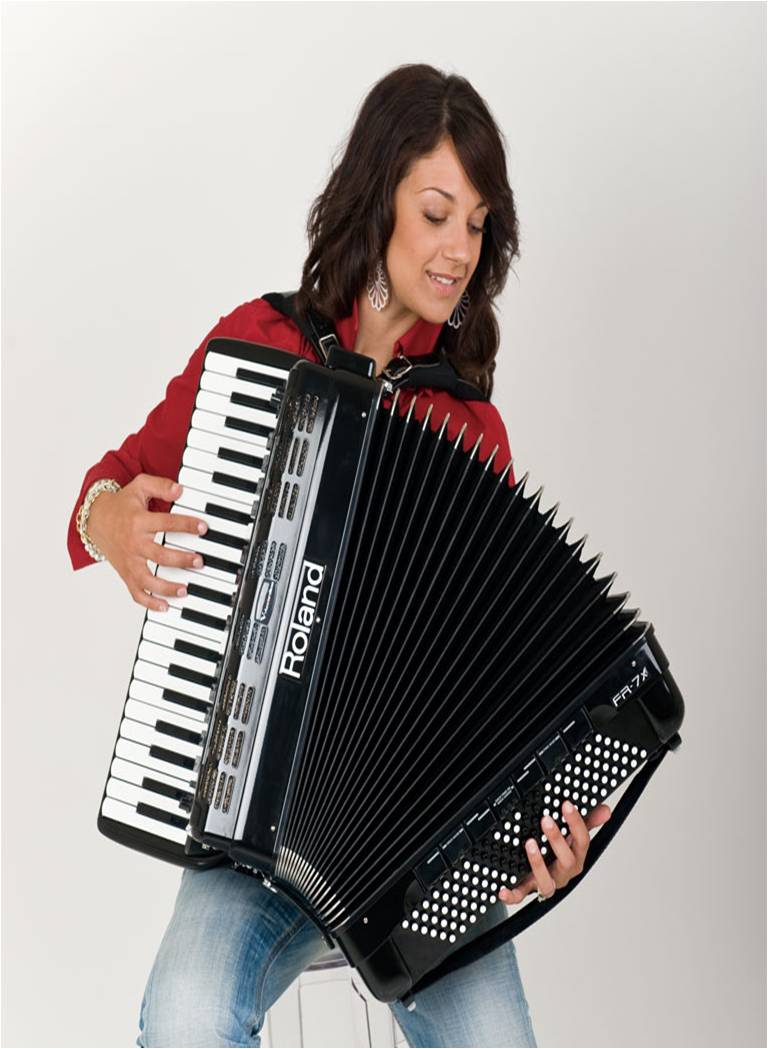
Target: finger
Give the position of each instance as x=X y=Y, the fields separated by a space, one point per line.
x=566 y=864
x=154 y=604
x=169 y=555
x=519 y=892
x=155 y=585
x=545 y=883
x=579 y=836
x=153 y=487
x=598 y=816
x=156 y=522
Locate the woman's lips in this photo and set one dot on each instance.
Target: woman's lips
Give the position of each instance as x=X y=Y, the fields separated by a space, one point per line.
x=445 y=291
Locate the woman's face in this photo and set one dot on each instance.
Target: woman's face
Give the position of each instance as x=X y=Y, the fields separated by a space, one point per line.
x=438 y=233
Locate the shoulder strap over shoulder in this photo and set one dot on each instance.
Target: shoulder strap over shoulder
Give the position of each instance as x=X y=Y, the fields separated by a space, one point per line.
x=431 y=369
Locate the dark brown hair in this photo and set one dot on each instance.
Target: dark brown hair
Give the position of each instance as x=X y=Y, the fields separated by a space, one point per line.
x=405 y=116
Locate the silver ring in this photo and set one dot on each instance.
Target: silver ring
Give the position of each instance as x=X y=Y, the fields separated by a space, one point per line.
x=543 y=899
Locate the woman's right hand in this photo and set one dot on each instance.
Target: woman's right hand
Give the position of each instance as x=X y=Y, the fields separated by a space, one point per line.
x=123 y=528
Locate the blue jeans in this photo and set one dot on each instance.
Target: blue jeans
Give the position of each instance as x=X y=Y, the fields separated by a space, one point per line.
x=233 y=946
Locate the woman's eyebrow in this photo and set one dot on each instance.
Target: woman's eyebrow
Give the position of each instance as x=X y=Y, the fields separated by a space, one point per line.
x=450 y=196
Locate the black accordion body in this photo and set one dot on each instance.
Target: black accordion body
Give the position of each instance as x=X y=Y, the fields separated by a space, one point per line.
x=391 y=666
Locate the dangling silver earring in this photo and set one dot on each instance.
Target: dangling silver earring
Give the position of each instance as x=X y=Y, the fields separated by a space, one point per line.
x=378 y=288
x=459 y=311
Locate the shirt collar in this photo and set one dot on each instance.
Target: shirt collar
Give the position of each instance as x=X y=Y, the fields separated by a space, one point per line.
x=420 y=338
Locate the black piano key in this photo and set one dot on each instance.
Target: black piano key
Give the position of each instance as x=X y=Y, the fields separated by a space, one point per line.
x=236 y=516
x=184 y=797
x=262 y=380
x=232 y=456
x=209 y=561
x=204 y=620
x=190 y=649
x=195 y=676
x=230 y=481
x=257 y=429
x=185 y=734
x=182 y=760
x=216 y=596
x=160 y=814
x=223 y=539
x=186 y=701
x=246 y=401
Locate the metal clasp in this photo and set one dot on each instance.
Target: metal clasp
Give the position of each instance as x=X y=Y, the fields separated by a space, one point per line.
x=396 y=370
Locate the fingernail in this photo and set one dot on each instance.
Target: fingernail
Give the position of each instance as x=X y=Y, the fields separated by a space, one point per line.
x=198 y=562
x=567 y=807
x=163 y=607
x=531 y=847
x=202 y=527
x=548 y=822
x=177 y=489
x=181 y=592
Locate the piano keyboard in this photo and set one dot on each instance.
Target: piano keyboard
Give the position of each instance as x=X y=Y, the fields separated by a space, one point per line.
x=153 y=774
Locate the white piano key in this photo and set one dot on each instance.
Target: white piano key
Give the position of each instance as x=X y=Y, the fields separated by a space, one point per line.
x=219 y=524
x=148 y=693
x=202 y=604
x=208 y=462
x=190 y=541
x=202 y=481
x=164 y=635
x=122 y=813
x=150 y=652
x=149 y=715
x=196 y=501
x=229 y=384
x=213 y=423
x=132 y=795
x=220 y=362
x=222 y=405
x=208 y=571
x=132 y=773
x=184 y=576
x=172 y=618
x=138 y=732
x=213 y=442
x=157 y=675
x=138 y=753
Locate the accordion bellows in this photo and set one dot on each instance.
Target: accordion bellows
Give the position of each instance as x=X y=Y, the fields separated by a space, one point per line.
x=431 y=668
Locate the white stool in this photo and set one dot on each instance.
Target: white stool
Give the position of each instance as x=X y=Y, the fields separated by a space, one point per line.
x=328 y=1005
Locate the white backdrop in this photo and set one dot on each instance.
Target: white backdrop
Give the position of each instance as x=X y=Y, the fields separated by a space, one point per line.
x=158 y=163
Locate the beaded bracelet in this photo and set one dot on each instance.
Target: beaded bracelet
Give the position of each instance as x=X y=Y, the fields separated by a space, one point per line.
x=106 y=484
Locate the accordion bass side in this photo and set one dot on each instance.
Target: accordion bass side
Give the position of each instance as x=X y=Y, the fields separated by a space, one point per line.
x=415 y=665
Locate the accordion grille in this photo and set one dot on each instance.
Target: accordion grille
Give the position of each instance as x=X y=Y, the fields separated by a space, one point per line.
x=426 y=691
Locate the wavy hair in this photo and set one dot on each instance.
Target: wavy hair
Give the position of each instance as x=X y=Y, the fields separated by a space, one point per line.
x=405 y=116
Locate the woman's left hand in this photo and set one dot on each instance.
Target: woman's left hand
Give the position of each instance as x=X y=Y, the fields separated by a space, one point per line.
x=570 y=852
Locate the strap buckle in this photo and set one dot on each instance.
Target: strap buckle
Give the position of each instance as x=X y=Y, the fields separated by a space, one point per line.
x=397 y=369
x=326 y=343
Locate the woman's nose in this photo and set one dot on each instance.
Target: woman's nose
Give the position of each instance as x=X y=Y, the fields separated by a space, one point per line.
x=458 y=247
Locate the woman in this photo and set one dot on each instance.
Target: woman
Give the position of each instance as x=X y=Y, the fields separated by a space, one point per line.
x=410 y=241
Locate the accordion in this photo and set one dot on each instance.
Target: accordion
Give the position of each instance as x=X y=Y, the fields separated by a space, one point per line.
x=392 y=664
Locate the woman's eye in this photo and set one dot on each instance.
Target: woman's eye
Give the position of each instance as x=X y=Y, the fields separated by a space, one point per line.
x=436 y=220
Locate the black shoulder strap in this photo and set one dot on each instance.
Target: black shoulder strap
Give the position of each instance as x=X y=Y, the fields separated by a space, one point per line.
x=431 y=369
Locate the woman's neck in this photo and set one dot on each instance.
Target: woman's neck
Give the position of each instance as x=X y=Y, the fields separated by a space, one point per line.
x=378 y=331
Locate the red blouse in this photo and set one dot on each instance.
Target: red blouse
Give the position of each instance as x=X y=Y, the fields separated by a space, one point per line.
x=158 y=446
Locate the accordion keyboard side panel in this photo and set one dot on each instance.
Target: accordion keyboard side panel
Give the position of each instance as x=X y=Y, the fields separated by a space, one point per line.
x=154 y=770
